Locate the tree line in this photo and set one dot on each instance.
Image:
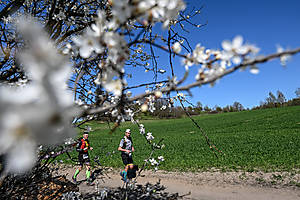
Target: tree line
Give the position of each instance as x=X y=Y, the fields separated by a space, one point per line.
x=165 y=109
x=273 y=101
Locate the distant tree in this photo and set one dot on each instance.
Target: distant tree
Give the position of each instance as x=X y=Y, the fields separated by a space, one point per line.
x=227 y=109
x=199 y=105
x=198 y=108
x=218 y=108
x=237 y=106
x=293 y=102
x=280 y=97
x=190 y=108
x=207 y=109
x=271 y=99
x=297 y=92
x=261 y=103
x=161 y=104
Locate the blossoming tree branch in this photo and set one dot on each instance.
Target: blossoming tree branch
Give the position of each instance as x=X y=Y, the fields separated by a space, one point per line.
x=65 y=62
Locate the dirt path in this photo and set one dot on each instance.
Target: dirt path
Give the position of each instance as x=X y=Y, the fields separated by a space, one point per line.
x=208 y=185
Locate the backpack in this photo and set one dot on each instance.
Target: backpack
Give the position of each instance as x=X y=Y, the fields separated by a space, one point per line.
x=131 y=173
x=78 y=145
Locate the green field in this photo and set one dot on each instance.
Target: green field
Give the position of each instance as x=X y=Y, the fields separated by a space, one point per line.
x=266 y=140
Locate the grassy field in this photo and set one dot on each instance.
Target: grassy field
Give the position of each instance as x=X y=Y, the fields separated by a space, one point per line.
x=251 y=140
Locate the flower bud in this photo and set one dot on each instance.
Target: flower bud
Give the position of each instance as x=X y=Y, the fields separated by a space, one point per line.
x=158 y=94
x=144 y=108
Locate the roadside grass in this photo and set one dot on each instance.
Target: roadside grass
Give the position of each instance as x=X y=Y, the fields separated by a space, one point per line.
x=267 y=140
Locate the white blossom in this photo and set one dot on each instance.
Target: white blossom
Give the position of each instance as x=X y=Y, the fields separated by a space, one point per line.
x=254 y=69
x=142 y=129
x=114 y=113
x=121 y=10
x=235 y=46
x=69 y=141
x=199 y=54
x=88 y=44
x=161 y=10
x=114 y=86
x=79 y=102
x=176 y=47
x=88 y=128
x=153 y=161
x=283 y=58
x=188 y=61
x=163 y=107
x=129 y=114
x=180 y=95
x=161 y=158
x=149 y=136
x=39 y=113
x=161 y=71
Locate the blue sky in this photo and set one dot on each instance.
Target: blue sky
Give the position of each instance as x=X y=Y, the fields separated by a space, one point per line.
x=263 y=23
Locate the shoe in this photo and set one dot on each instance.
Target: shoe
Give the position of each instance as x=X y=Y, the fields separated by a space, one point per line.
x=89 y=181
x=124 y=175
x=74 y=180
